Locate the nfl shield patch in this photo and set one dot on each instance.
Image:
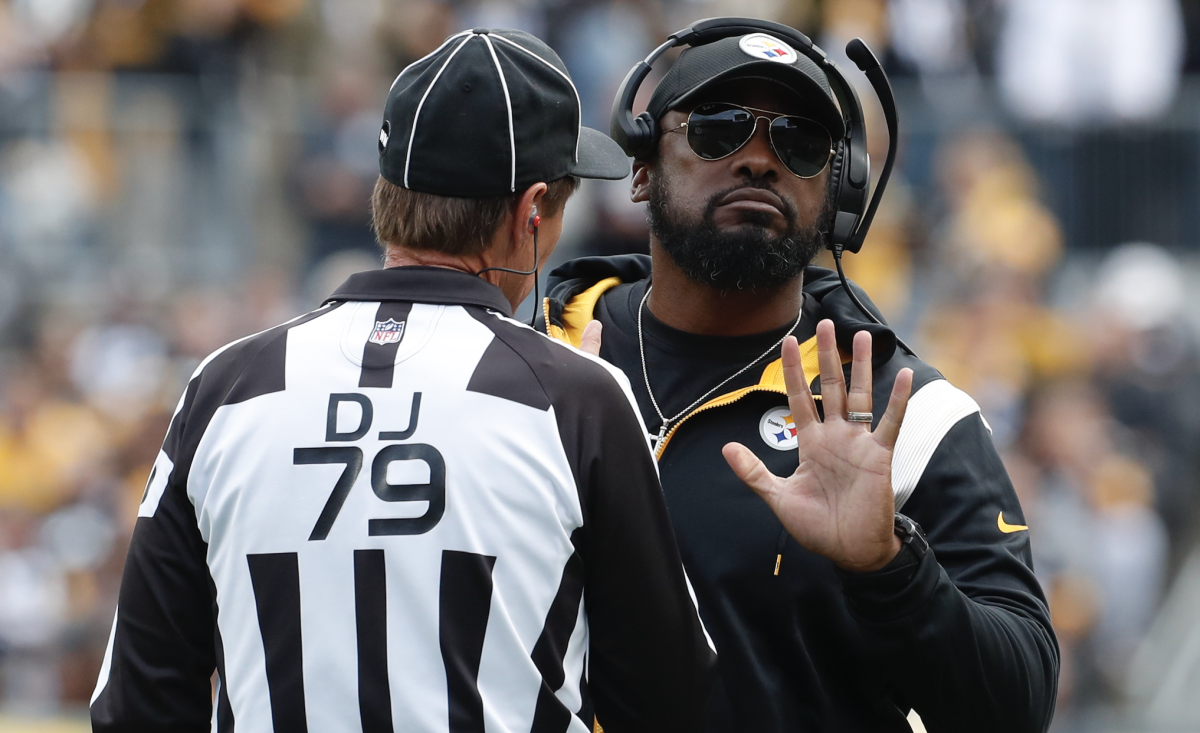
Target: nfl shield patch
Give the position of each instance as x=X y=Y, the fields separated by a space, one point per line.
x=387 y=332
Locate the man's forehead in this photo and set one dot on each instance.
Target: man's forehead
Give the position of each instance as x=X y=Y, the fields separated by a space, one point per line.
x=760 y=93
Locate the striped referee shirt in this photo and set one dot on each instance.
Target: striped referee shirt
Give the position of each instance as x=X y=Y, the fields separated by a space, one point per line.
x=404 y=511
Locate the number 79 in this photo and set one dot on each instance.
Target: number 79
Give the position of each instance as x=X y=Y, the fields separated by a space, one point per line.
x=434 y=491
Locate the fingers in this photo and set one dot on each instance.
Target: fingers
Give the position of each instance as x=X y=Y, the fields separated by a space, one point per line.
x=888 y=429
x=590 y=341
x=833 y=384
x=800 y=399
x=751 y=470
x=859 y=397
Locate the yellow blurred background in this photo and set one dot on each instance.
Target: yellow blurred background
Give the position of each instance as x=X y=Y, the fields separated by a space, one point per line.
x=175 y=174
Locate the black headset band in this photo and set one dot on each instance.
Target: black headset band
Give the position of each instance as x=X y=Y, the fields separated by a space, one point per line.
x=714 y=29
x=632 y=136
x=638 y=136
x=850 y=170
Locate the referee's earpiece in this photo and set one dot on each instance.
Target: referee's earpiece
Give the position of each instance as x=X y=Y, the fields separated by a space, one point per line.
x=534 y=222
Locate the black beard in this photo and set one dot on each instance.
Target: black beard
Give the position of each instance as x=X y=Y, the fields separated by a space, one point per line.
x=747 y=258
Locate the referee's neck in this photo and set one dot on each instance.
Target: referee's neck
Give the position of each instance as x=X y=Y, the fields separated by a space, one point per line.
x=515 y=287
x=395 y=255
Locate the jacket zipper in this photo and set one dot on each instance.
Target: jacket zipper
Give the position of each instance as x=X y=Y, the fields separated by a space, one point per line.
x=664 y=438
x=783 y=536
x=662 y=444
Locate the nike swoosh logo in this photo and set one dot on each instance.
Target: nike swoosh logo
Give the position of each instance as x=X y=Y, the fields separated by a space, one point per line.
x=1007 y=528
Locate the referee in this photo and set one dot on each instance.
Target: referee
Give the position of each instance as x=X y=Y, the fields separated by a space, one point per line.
x=405 y=511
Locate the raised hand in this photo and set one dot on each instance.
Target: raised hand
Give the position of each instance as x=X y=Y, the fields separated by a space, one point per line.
x=839 y=501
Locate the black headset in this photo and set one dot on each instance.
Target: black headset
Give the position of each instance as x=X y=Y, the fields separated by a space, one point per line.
x=850 y=169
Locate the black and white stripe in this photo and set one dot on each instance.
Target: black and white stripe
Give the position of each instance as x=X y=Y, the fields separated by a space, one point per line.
x=370 y=613
x=379 y=360
x=423 y=534
x=275 y=579
x=932 y=411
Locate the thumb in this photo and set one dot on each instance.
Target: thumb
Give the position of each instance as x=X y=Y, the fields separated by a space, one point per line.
x=750 y=469
x=590 y=341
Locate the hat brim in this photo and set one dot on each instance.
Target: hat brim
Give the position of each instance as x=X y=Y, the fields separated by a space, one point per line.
x=823 y=109
x=600 y=157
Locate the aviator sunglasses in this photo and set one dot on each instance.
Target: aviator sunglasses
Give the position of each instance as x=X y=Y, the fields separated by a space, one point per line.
x=717 y=130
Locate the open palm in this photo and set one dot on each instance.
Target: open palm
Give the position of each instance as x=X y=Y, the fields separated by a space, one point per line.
x=838 y=503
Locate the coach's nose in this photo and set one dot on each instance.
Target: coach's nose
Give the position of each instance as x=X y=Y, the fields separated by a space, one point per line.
x=756 y=159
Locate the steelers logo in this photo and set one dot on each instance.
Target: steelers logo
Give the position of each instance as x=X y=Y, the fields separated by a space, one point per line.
x=777 y=429
x=762 y=46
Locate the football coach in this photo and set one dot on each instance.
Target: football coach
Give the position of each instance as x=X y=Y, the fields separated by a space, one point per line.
x=830 y=611
x=405 y=511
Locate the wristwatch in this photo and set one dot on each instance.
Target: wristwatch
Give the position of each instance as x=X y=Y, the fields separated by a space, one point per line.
x=913 y=545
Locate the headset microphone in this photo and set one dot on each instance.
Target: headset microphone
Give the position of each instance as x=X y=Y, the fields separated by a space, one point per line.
x=866 y=61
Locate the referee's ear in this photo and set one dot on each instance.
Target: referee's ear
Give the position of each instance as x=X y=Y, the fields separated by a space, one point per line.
x=529 y=205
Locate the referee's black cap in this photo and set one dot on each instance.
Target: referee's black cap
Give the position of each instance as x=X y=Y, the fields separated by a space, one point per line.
x=751 y=56
x=489 y=112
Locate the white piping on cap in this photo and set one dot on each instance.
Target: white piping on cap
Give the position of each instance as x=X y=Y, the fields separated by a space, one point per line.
x=558 y=71
x=512 y=140
x=417 y=114
x=432 y=53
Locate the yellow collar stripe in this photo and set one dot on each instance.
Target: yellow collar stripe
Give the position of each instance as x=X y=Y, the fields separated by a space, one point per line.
x=772 y=376
x=579 y=312
x=771 y=381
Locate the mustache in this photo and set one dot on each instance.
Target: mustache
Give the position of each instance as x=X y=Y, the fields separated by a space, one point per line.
x=789 y=210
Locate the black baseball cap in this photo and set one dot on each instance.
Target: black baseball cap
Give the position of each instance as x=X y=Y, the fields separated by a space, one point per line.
x=752 y=56
x=489 y=112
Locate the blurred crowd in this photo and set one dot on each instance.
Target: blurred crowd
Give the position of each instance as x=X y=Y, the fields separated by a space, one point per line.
x=175 y=174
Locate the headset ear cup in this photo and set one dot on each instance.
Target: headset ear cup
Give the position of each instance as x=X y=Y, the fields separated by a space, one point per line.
x=837 y=173
x=645 y=137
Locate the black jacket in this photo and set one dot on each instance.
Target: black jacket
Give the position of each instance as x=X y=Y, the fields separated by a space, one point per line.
x=964 y=638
